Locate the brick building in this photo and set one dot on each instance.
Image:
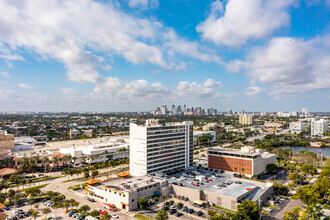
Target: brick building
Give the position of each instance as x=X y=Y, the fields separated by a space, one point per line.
x=247 y=161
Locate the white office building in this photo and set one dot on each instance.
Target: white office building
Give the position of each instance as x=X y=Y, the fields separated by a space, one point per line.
x=297 y=127
x=245 y=119
x=158 y=147
x=319 y=126
x=96 y=153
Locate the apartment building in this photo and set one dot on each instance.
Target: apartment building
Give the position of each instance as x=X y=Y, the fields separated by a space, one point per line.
x=297 y=127
x=245 y=119
x=158 y=147
x=319 y=126
x=248 y=161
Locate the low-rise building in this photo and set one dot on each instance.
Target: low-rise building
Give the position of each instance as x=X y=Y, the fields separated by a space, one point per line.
x=125 y=193
x=6 y=141
x=97 y=153
x=212 y=134
x=248 y=161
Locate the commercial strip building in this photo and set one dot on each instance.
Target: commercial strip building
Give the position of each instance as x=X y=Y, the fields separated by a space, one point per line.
x=125 y=193
x=245 y=119
x=248 y=161
x=97 y=153
x=297 y=127
x=158 y=147
x=319 y=126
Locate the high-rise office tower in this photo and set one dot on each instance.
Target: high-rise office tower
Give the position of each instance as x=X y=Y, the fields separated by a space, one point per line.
x=160 y=147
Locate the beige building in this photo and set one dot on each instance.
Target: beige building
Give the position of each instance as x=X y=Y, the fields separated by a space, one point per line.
x=124 y=193
x=245 y=119
x=6 y=141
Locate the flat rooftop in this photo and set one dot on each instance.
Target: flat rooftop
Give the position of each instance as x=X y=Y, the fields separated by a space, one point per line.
x=233 y=190
x=131 y=183
x=233 y=151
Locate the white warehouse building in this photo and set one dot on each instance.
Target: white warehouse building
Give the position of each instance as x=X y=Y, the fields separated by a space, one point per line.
x=158 y=147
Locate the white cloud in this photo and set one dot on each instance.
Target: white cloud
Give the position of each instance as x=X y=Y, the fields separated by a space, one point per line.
x=138 y=90
x=85 y=36
x=143 y=4
x=68 y=91
x=25 y=86
x=253 y=90
x=241 y=21
x=5 y=74
x=290 y=65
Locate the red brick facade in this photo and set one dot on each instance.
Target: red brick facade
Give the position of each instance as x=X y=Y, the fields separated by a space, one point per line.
x=236 y=165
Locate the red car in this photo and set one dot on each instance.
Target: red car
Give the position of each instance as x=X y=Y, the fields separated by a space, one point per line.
x=209 y=179
x=248 y=188
x=195 y=184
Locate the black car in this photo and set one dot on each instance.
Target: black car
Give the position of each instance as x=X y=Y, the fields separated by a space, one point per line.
x=199 y=213
x=190 y=211
x=165 y=208
x=179 y=214
x=166 y=204
x=174 y=183
x=172 y=211
x=28 y=213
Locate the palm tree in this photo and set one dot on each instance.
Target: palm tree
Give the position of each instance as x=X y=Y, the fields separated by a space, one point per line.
x=45 y=160
x=35 y=214
x=54 y=160
x=46 y=211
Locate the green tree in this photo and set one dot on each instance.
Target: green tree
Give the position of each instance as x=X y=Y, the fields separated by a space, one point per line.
x=106 y=217
x=161 y=215
x=171 y=202
x=95 y=173
x=292 y=215
x=84 y=209
x=86 y=175
x=212 y=212
x=75 y=204
x=143 y=202
x=180 y=205
x=94 y=213
x=271 y=167
x=164 y=197
x=296 y=177
x=46 y=211
x=156 y=199
x=247 y=210
x=34 y=214
x=280 y=189
x=309 y=195
x=66 y=204
x=315 y=211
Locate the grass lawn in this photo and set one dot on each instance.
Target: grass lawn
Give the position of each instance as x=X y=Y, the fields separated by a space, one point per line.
x=34 y=187
x=142 y=217
x=224 y=209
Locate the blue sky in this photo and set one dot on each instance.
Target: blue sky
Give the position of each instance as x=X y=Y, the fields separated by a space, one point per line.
x=134 y=55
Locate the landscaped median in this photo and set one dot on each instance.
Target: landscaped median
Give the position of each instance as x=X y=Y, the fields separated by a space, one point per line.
x=142 y=217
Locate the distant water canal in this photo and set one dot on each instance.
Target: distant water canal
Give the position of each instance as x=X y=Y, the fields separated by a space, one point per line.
x=324 y=151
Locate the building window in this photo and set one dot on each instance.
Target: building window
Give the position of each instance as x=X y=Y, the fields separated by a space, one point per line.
x=132 y=200
x=115 y=192
x=123 y=195
x=150 y=186
x=146 y=188
x=138 y=190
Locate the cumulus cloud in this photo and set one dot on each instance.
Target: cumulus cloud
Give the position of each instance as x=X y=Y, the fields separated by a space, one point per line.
x=85 y=36
x=253 y=90
x=25 y=86
x=5 y=74
x=289 y=64
x=146 y=91
x=239 y=21
x=143 y=4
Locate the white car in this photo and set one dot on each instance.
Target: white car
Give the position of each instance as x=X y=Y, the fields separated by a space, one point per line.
x=14 y=212
x=114 y=216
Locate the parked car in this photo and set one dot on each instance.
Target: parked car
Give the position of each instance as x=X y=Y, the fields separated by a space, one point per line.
x=199 y=213
x=190 y=211
x=114 y=216
x=238 y=182
x=166 y=208
x=172 y=211
x=178 y=214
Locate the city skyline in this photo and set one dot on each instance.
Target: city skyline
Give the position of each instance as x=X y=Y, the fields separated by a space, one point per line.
x=134 y=55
